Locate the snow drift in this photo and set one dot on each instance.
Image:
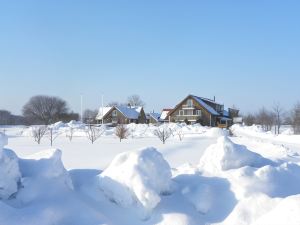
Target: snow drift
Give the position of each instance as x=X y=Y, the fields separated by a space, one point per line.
x=137 y=179
x=46 y=164
x=226 y=155
x=9 y=170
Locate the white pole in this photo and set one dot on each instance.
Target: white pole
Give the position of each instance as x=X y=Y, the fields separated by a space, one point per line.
x=102 y=108
x=81 y=103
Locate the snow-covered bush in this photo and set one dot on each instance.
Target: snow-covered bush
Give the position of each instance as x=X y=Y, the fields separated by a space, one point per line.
x=226 y=155
x=136 y=179
x=9 y=170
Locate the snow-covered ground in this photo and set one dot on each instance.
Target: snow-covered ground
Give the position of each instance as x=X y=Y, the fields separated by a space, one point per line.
x=208 y=177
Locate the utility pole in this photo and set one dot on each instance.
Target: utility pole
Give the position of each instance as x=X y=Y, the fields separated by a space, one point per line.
x=81 y=114
x=102 y=108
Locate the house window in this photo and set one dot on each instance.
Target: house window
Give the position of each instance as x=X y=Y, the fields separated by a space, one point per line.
x=198 y=112
x=188 y=112
x=114 y=113
x=181 y=112
x=190 y=103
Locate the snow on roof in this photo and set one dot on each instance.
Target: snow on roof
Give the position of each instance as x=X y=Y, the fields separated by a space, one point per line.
x=226 y=113
x=164 y=114
x=210 y=100
x=129 y=112
x=206 y=106
x=103 y=110
x=155 y=116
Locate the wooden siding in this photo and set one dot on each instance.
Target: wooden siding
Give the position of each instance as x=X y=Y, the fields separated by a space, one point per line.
x=205 y=119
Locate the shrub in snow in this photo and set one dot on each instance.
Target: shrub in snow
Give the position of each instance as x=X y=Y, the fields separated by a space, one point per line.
x=46 y=164
x=137 y=179
x=9 y=170
x=122 y=132
x=163 y=132
x=38 y=132
x=226 y=155
x=93 y=132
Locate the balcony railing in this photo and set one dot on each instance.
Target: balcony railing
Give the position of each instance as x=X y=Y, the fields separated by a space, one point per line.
x=189 y=117
x=188 y=107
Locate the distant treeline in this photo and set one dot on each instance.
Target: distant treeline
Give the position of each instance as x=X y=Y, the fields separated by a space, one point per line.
x=275 y=117
x=43 y=109
x=40 y=109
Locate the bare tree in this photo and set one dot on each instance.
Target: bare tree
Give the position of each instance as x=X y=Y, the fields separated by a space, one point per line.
x=94 y=132
x=295 y=117
x=52 y=134
x=249 y=119
x=163 y=133
x=122 y=132
x=89 y=116
x=114 y=103
x=278 y=111
x=70 y=133
x=38 y=132
x=45 y=109
x=266 y=119
x=135 y=100
x=180 y=134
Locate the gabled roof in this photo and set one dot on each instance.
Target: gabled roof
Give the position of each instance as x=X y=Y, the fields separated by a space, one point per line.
x=130 y=112
x=201 y=101
x=165 y=113
x=210 y=109
x=155 y=116
x=105 y=110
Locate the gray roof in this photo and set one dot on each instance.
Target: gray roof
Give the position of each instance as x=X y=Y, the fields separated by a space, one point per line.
x=210 y=109
x=129 y=112
x=155 y=116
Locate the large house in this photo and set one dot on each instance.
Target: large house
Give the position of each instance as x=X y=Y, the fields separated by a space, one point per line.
x=194 y=109
x=121 y=115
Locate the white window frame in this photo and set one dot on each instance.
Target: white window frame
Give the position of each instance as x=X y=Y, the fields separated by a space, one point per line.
x=198 y=112
x=181 y=112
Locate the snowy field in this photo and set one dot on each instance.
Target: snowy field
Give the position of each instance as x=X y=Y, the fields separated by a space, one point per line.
x=209 y=177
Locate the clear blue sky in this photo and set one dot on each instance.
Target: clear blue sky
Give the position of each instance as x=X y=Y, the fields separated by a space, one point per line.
x=245 y=53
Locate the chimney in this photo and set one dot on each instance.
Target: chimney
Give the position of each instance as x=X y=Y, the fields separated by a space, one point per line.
x=214 y=98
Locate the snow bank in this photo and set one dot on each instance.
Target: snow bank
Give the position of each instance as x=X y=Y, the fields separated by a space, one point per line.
x=9 y=170
x=250 y=209
x=226 y=155
x=137 y=179
x=3 y=141
x=216 y=132
x=46 y=164
x=176 y=219
x=274 y=180
x=287 y=212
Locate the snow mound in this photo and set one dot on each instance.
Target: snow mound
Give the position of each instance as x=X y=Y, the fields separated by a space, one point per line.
x=274 y=181
x=3 y=141
x=137 y=179
x=46 y=164
x=9 y=170
x=176 y=219
x=216 y=132
x=250 y=209
x=287 y=212
x=226 y=155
